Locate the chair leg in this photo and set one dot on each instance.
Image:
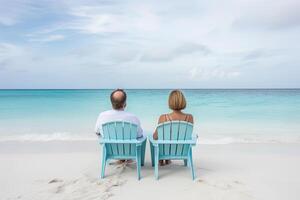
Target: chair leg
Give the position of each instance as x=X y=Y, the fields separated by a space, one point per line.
x=152 y=154
x=138 y=161
x=185 y=162
x=191 y=163
x=156 y=161
x=103 y=161
x=143 y=152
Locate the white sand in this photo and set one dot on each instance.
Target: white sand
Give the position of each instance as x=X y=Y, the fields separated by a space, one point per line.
x=70 y=170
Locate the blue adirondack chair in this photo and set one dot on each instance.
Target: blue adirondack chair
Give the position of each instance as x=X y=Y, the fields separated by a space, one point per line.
x=120 y=142
x=175 y=141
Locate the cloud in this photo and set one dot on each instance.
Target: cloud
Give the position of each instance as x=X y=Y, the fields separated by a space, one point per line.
x=253 y=55
x=273 y=15
x=9 y=51
x=109 y=18
x=15 y=11
x=188 y=48
x=7 y=21
x=141 y=40
x=159 y=54
x=206 y=73
x=93 y=20
x=47 y=38
x=4 y=64
x=14 y=58
x=8 y=18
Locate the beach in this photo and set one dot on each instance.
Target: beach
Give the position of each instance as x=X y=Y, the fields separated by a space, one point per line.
x=223 y=73
x=71 y=170
x=248 y=146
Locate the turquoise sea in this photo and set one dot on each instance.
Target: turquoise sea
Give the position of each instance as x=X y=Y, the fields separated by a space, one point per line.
x=221 y=115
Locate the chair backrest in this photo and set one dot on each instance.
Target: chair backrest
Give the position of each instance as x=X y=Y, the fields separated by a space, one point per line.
x=119 y=130
x=174 y=130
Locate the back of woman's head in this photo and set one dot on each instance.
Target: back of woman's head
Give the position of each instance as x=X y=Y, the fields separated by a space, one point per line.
x=177 y=100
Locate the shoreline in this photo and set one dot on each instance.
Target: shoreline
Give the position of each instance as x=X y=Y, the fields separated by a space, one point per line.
x=203 y=140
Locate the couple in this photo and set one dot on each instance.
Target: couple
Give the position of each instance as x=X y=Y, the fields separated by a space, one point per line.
x=177 y=103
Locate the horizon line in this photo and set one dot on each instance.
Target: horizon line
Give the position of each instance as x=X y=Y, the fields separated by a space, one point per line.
x=151 y=88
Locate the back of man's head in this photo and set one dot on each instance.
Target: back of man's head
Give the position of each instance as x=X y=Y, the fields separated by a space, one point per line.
x=118 y=99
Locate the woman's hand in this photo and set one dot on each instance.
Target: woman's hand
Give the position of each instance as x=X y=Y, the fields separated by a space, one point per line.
x=155 y=135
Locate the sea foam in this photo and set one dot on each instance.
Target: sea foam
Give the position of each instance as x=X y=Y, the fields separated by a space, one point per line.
x=214 y=140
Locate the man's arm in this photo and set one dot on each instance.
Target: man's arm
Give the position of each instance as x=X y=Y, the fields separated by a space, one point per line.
x=140 y=130
x=97 y=126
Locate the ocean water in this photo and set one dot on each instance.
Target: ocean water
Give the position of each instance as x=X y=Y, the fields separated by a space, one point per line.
x=221 y=115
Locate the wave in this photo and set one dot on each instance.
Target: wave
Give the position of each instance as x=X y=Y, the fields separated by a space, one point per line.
x=58 y=136
x=250 y=140
x=212 y=140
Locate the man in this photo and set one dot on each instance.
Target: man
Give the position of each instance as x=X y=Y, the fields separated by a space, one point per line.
x=118 y=102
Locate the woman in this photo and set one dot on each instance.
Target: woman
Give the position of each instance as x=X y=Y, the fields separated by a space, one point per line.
x=177 y=103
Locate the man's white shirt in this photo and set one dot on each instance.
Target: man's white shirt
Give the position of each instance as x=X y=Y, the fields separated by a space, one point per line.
x=117 y=115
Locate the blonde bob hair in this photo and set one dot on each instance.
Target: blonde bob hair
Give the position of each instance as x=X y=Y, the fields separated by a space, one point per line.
x=177 y=100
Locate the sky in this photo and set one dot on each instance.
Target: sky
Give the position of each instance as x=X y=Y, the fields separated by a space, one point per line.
x=149 y=44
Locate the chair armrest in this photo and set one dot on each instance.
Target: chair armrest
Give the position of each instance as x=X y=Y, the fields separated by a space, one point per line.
x=175 y=142
x=101 y=140
x=193 y=141
x=195 y=138
x=152 y=141
x=138 y=141
x=141 y=140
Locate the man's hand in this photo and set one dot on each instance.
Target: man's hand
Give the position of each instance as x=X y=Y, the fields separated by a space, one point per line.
x=98 y=134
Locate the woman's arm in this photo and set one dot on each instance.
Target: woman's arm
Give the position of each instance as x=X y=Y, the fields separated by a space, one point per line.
x=160 y=120
x=191 y=119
